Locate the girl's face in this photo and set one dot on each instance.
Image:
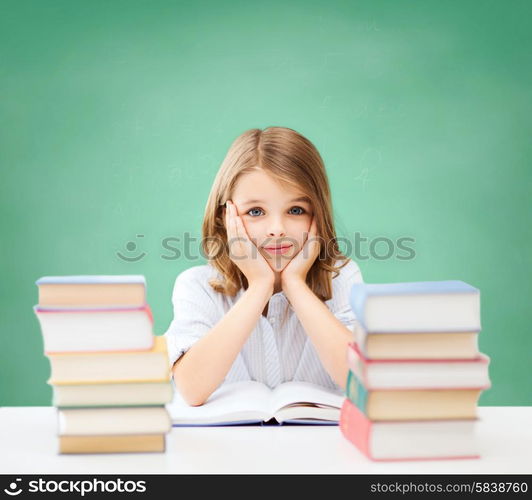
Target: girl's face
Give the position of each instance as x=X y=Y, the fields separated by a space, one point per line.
x=273 y=215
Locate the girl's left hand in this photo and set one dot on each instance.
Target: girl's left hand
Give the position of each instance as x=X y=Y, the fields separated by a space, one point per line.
x=298 y=267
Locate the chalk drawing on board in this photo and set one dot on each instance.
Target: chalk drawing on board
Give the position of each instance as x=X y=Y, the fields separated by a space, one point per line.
x=369 y=158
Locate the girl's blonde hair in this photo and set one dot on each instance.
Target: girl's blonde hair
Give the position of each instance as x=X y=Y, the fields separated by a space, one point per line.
x=288 y=157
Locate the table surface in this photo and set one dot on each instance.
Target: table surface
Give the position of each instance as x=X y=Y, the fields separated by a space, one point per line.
x=28 y=444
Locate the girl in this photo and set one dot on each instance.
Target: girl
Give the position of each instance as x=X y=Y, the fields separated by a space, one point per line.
x=272 y=304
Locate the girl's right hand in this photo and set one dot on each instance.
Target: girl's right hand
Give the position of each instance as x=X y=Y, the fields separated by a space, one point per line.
x=243 y=252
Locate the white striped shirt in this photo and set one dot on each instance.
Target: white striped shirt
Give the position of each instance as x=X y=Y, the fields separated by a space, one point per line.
x=276 y=351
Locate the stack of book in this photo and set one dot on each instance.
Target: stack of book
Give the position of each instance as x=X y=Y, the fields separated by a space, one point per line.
x=110 y=374
x=415 y=371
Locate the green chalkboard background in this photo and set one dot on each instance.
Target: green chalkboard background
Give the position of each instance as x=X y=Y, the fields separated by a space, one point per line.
x=115 y=116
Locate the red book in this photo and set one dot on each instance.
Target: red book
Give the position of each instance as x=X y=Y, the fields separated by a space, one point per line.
x=408 y=440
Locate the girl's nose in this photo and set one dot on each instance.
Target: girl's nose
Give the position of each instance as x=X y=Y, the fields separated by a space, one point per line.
x=276 y=232
x=275 y=226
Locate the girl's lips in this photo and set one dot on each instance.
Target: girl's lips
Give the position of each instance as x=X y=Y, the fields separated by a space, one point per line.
x=279 y=250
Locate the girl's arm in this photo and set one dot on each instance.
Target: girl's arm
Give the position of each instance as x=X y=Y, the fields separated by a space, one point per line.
x=327 y=333
x=204 y=366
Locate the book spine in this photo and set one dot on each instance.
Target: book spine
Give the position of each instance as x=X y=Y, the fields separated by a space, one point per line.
x=58 y=310
x=357 y=299
x=360 y=366
x=112 y=444
x=108 y=381
x=355 y=356
x=356 y=392
x=355 y=427
x=146 y=349
x=356 y=364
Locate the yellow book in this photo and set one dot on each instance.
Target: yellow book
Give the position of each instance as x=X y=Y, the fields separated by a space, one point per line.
x=141 y=443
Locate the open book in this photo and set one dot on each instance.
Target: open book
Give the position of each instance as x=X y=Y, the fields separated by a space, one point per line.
x=250 y=402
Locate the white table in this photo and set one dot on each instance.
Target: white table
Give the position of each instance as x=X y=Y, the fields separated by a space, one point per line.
x=28 y=445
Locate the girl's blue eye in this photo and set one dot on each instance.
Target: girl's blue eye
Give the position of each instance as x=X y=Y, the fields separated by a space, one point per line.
x=299 y=208
x=253 y=209
x=260 y=210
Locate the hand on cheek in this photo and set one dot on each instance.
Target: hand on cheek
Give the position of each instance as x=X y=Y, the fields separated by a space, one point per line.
x=243 y=252
x=298 y=267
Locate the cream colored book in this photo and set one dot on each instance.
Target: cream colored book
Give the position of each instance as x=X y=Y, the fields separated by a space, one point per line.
x=92 y=290
x=106 y=394
x=432 y=345
x=412 y=404
x=111 y=366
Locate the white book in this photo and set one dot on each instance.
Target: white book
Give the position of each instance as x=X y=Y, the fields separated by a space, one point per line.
x=419 y=373
x=98 y=329
x=423 y=306
x=119 y=421
x=409 y=440
x=414 y=440
x=253 y=402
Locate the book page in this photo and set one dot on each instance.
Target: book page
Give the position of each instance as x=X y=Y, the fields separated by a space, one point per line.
x=246 y=401
x=301 y=393
x=308 y=415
